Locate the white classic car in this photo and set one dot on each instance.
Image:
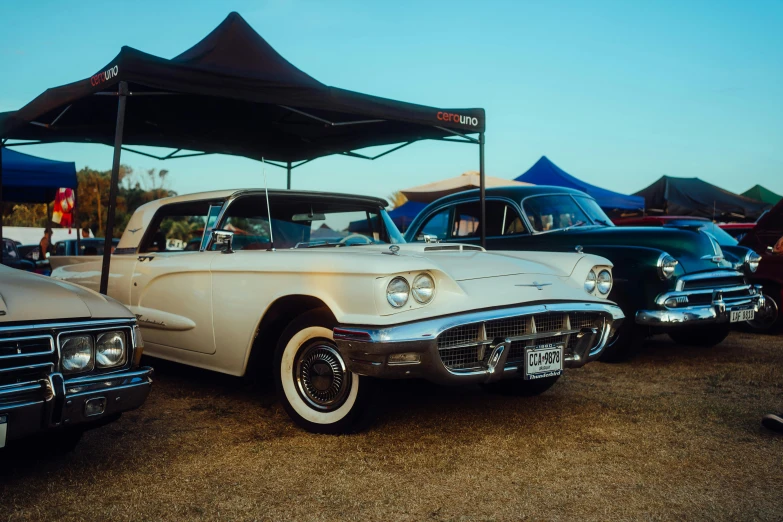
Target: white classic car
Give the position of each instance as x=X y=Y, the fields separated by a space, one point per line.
x=331 y=295
x=69 y=360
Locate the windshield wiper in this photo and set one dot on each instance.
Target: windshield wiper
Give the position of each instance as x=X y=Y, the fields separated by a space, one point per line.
x=577 y=224
x=602 y=222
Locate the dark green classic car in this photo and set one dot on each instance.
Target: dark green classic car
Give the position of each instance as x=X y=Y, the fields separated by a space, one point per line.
x=675 y=280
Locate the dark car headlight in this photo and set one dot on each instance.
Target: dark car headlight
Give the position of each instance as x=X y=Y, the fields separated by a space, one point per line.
x=752 y=261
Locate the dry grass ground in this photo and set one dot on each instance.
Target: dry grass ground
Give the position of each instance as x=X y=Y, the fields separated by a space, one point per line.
x=672 y=435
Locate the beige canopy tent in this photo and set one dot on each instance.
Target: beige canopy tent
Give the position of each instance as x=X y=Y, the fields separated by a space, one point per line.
x=468 y=180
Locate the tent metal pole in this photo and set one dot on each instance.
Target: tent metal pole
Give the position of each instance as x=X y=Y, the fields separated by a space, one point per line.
x=115 y=179
x=75 y=211
x=483 y=189
x=288 y=181
x=2 y=204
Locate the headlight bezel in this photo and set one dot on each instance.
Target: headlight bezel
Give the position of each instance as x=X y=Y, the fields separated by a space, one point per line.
x=413 y=287
x=63 y=348
x=590 y=281
x=751 y=261
x=667 y=266
x=125 y=329
x=124 y=350
x=599 y=282
x=394 y=304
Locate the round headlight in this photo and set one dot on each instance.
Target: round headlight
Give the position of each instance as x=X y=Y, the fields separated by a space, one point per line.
x=423 y=289
x=590 y=282
x=752 y=261
x=110 y=349
x=604 y=281
x=76 y=354
x=666 y=266
x=397 y=292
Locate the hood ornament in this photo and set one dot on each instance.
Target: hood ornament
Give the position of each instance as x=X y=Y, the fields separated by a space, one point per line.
x=393 y=250
x=539 y=286
x=578 y=248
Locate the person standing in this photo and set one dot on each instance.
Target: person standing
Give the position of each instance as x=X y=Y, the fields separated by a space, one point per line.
x=45 y=245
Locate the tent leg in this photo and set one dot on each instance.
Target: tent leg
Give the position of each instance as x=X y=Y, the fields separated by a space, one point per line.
x=288 y=181
x=483 y=190
x=115 y=179
x=2 y=204
x=75 y=211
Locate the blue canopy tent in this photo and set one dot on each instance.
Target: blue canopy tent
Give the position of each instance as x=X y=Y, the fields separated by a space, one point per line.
x=29 y=179
x=544 y=172
x=404 y=215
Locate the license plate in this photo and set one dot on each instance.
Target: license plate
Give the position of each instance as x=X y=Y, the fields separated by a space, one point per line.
x=3 y=429
x=738 y=316
x=543 y=361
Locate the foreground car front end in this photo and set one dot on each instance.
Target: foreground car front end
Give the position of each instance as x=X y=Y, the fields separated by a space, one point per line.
x=69 y=360
x=43 y=389
x=530 y=342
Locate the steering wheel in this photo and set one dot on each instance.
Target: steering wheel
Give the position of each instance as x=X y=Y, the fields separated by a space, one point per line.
x=344 y=241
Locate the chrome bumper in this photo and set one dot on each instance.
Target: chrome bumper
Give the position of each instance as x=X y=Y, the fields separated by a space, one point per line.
x=56 y=403
x=717 y=310
x=367 y=349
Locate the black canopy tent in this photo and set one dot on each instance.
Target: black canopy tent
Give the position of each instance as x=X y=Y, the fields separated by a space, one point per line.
x=696 y=197
x=231 y=93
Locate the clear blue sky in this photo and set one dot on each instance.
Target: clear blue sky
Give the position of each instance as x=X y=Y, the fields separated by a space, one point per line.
x=615 y=92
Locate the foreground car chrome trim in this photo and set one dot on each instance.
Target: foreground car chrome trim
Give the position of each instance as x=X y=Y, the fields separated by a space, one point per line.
x=366 y=349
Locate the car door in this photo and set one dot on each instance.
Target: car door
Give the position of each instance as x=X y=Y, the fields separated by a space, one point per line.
x=460 y=222
x=171 y=288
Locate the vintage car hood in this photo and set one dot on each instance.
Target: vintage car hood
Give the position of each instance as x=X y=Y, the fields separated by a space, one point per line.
x=467 y=262
x=693 y=249
x=26 y=297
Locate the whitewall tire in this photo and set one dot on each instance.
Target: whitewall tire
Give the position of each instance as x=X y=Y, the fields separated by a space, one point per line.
x=313 y=384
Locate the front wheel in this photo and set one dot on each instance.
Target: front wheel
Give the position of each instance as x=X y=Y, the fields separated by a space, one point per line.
x=708 y=335
x=768 y=320
x=521 y=387
x=316 y=389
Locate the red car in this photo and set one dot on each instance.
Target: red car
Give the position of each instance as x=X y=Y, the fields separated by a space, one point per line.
x=737 y=230
x=766 y=238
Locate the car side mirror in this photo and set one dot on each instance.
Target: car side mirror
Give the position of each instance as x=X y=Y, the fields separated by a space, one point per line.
x=224 y=240
x=770 y=249
x=427 y=238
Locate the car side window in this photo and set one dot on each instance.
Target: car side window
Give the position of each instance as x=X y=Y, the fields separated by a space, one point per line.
x=176 y=227
x=437 y=225
x=502 y=220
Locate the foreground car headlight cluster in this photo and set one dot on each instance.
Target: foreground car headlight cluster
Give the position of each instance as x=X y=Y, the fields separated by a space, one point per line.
x=666 y=266
x=752 y=261
x=598 y=278
x=399 y=290
x=85 y=351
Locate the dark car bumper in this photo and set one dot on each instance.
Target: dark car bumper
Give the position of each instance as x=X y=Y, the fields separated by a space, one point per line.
x=382 y=351
x=57 y=403
x=674 y=309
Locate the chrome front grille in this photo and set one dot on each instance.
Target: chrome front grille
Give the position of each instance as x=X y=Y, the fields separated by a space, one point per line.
x=25 y=365
x=468 y=347
x=717 y=280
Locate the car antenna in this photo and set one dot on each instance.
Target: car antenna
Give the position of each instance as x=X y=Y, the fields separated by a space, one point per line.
x=268 y=210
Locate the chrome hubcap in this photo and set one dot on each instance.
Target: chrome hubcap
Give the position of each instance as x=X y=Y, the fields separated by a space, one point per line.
x=321 y=377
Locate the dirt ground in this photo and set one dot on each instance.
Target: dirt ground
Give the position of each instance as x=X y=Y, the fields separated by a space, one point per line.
x=672 y=435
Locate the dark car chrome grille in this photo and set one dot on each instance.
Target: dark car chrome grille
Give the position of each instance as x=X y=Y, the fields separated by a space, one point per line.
x=713 y=282
x=468 y=346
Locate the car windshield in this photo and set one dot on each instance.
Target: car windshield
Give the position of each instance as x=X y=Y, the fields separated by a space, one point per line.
x=307 y=223
x=562 y=212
